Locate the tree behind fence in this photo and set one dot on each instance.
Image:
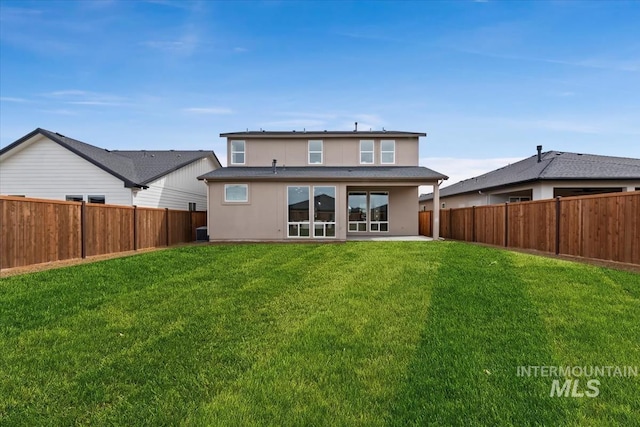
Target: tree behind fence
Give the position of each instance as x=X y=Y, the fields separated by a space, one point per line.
x=603 y=226
x=33 y=231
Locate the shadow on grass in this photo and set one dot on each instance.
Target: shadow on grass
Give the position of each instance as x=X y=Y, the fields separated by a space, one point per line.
x=481 y=326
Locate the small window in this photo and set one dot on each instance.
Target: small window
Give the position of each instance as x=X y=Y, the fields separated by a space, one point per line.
x=17 y=195
x=315 y=152
x=236 y=193
x=237 y=152
x=96 y=199
x=192 y=206
x=74 y=198
x=366 y=152
x=387 y=151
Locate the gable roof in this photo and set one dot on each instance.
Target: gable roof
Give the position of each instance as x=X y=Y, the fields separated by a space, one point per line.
x=322 y=134
x=135 y=168
x=553 y=165
x=325 y=173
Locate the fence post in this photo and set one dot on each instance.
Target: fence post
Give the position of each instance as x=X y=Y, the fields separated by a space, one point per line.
x=135 y=227
x=83 y=229
x=473 y=223
x=450 y=223
x=506 y=224
x=558 y=225
x=166 y=214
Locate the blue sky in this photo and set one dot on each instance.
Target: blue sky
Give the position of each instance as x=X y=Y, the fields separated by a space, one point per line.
x=488 y=80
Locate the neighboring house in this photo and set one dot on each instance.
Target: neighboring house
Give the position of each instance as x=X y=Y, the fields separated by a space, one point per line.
x=542 y=176
x=317 y=185
x=45 y=164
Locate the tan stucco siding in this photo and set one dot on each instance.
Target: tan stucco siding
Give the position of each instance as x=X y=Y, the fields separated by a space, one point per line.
x=265 y=215
x=336 y=152
x=403 y=210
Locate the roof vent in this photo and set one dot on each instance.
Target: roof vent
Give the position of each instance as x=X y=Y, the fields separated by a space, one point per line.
x=356 y=128
x=539 y=148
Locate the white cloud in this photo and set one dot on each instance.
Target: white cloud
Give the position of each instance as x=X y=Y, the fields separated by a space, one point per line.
x=83 y=97
x=297 y=124
x=458 y=169
x=208 y=110
x=11 y=99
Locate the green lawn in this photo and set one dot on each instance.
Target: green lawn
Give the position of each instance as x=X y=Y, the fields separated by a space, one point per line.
x=363 y=333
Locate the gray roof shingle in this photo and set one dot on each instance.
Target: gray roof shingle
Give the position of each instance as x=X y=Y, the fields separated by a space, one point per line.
x=326 y=173
x=135 y=168
x=554 y=165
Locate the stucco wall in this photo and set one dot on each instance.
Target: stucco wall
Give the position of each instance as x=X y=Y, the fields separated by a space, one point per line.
x=264 y=216
x=336 y=152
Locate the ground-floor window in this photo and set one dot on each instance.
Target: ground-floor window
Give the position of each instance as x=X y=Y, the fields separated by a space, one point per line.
x=301 y=210
x=324 y=211
x=368 y=211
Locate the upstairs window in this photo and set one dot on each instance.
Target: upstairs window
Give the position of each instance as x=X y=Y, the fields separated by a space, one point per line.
x=366 y=152
x=237 y=152
x=315 y=152
x=387 y=151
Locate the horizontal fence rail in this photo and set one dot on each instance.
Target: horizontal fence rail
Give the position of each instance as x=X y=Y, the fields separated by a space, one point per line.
x=603 y=226
x=34 y=231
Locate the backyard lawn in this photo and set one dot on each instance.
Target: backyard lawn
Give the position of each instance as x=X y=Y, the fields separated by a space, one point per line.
x=362 y=333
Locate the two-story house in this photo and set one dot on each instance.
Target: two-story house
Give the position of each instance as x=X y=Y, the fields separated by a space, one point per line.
x=331 y=185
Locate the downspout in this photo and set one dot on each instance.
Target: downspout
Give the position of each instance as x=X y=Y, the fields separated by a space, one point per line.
x=436 y=211
x=209 y=210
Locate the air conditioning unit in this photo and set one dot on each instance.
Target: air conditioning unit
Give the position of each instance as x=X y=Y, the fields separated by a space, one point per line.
x=201 y=234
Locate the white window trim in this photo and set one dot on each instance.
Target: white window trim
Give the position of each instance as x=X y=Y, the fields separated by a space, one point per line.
x=373 y=152
x=244 y=152
x=392 y=152
x=369 y=221
x=236 y=201
x=309 y=152
x=299 y=223
x=323 y=223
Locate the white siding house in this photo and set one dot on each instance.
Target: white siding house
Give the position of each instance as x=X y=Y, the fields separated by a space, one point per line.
x=177 y=189
x=44 y=164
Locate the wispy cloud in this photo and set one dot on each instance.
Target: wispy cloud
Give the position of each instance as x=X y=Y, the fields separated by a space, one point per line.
x=458 y=169
x=208 y=110
x=83 y=97
x=61 y=111
x=185 y=45
x=294 y=124
x=11 y=99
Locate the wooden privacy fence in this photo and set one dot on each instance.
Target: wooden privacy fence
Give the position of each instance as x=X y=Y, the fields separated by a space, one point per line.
x=33 y=231
x=603 y=226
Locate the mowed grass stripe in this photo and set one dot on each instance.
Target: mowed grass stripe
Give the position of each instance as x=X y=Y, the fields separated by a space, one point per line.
x=481 y=326
x=592 y=316
x=182 y=327
x=363 y=333
x=343 y=342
